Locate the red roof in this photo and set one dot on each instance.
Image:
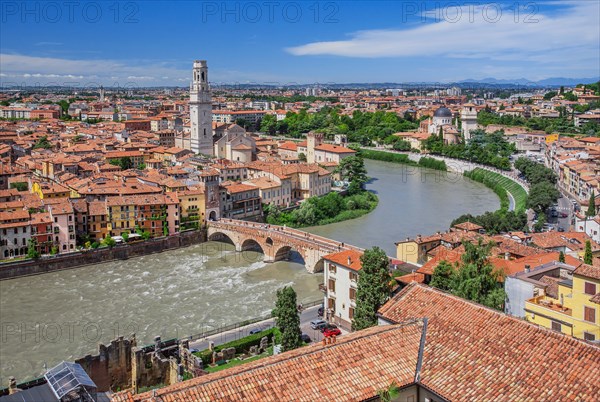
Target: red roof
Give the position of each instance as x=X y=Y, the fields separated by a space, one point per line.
x=347 y=258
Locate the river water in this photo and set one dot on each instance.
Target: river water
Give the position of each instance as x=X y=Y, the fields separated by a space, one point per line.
x=64 y=315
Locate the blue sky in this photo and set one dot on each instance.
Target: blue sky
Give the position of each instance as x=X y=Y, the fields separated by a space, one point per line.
x=154 y=43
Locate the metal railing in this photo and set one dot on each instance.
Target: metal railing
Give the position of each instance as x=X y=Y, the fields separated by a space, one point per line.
x=241 y=324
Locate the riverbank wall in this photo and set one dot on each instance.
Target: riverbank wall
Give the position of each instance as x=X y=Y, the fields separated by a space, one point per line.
x=11 y=270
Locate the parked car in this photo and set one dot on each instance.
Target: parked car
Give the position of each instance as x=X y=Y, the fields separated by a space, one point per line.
x=554 y=214
x=328 y=326
x=255 y=331
x=320 y=311
x=561 y=229
x=305 y=338
x=564 y=215
x=318 y=324
x=331 y=332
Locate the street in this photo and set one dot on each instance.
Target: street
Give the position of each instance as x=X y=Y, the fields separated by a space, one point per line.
x=306 y=317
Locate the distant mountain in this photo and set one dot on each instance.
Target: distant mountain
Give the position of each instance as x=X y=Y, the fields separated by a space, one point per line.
x=554 y=81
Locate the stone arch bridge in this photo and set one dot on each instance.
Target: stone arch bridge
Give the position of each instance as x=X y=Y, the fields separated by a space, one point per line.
x=276 y=242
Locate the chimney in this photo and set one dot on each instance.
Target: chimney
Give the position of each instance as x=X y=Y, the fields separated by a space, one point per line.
x=507 y=256
x=349 y=261
x=527 y=268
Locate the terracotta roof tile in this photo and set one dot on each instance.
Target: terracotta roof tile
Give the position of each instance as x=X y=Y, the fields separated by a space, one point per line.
x=354 y=368
x=473 y=353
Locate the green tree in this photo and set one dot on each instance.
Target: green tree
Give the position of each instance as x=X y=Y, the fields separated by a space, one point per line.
x=302 y=157
x=373 y=288
x=268 y=124
x=20 y=186
x=591 y=211
x=541 y=196
x=109 y=241
x=32 y=249
x=125 y=236
x=443 y=276
x=561 y=257
x=42 y=143
x=146 y=235
x=124 y=163
x=587 y=256
x=476 y=279
x=352 y=169
x=541 y=221
x=288 y=319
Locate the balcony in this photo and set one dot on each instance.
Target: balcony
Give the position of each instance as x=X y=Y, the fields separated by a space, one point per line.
x=550 y=304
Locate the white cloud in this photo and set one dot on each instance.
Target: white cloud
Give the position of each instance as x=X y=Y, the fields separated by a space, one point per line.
x=20 y=69
x=571 y=36
x=33 y=69
x=49 y=44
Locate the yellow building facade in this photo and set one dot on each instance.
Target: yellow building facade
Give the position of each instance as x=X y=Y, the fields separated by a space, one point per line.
x=576 y=311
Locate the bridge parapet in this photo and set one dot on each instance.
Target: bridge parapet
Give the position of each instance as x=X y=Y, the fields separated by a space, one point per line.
x=277 y=241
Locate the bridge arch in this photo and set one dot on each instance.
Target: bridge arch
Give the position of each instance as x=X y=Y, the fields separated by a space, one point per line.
x=319 y=266
x=269 y=241
x=222 y=237
x=252 y=245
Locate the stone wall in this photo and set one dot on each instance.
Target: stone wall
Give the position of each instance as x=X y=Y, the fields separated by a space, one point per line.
x=110 y=369
x=121 y=252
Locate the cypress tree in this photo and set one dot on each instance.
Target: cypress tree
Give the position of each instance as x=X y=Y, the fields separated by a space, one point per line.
x=373 y=289
x=587 y=256
x=591 y=211
x=288 y=320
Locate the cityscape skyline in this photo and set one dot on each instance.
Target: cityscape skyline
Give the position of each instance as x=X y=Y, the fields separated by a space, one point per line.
x=297 y=43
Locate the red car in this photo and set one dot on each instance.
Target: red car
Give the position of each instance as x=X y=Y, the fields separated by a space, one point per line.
x=331 y=332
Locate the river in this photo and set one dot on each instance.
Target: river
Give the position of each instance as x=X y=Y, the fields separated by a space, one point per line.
x=64 y=315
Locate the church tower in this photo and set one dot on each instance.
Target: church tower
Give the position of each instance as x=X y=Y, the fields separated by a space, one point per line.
x=201 y=140
x=313 y=140
x=468 y=118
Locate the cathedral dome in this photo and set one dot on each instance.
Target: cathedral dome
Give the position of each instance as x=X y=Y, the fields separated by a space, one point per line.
x=442 y=112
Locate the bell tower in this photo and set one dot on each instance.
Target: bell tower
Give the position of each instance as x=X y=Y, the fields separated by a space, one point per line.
x=201 y=136
x=468 y=118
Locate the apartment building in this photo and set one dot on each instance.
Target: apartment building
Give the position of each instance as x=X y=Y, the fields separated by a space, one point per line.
x=573 y=308
x=340 y=274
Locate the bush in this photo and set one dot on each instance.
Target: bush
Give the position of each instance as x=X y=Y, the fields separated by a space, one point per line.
x=432 y=163
x=241 y=345
x=386 y=156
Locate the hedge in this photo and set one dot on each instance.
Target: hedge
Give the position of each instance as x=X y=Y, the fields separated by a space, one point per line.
x=241 y=345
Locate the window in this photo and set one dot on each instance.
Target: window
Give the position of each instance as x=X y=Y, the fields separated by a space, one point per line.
x=331 y=285
x=351 y=312
x=332 y=268
x=589 y=337
x=556 y=326
x=589 y=314
x=353 y=276
x=589 y=288
x=352 y=294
